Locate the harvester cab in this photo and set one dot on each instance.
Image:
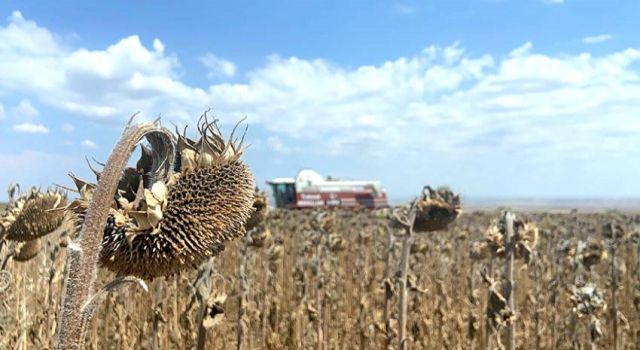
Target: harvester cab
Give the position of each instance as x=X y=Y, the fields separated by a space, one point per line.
x=284 y=191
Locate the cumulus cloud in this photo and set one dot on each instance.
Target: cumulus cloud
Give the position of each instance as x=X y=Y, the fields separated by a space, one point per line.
x=217 y=67
x=30 y=128
x=442 y=98
x=596 y=39
x=86 y=143
x=158 y=45
x=109 y=83
x=25 y=109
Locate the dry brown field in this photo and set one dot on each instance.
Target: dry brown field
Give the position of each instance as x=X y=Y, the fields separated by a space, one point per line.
x=305 y=287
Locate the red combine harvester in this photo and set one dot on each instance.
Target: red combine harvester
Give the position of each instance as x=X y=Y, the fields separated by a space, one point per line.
x=310 y=190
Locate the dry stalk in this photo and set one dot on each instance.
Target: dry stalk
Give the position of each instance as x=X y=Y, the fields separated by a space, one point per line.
x=613 y=248
x=157 y=315
x=319 y=293
x=84 y=251
x=176 y=335
x=487 y=320
x=510 y=240
x=388 y=287
x=536 y=312
x=242 y=328
x=404 y=271
x=203 y=287
x=95 y=300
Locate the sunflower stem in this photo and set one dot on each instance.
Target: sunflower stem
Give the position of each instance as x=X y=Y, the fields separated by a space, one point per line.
x=404 y=272
x=509 y=272
x=203 y=297
x=614 y=286
x=388 y=288
x=82 y=263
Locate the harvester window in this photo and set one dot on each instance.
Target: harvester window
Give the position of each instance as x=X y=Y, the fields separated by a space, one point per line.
x=285 y=194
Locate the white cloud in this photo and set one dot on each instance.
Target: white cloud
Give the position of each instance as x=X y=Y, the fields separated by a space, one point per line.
x=110 y=83
x=86 y=143
x=68 y=127
x=30 y=128
x=596 y=39
x=441 y=98
x=25 y=109
x=158 y=45
x=3 y=114
x=217 y=67
x=521 y=51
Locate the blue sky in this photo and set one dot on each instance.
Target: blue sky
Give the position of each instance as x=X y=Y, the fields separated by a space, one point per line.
x=527 y=98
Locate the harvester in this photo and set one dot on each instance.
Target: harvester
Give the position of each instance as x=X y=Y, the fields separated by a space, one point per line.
x=310 y=190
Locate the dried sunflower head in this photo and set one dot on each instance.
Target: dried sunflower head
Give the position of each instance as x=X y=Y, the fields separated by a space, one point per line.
x=587 y=300
x=566 y=250
x=613 y=230
x=324 y=221
x=419 y=247
x=32 y=214
x=336 y=243
x=479 y=250
x=525 y=234
x=276 y=251
x=436 y=209
x=589 y=253
x=634 y=234
x=260 y=209
x=25 y=251
x=258 y=237
x=173 y=211
x=493 y=236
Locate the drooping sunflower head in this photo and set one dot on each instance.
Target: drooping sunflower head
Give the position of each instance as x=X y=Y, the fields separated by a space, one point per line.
x=587 y=300
x=525 y=235
x=613 y=230
x=436 y=209
x=32 y=214
x=479 y=250
x=25 y=251
x=590 y=252
x=163 y=222
x=259 y=237
x=324 y=221
x=260 y=209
